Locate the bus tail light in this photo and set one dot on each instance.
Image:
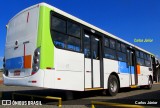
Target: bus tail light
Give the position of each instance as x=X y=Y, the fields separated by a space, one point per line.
x=36 y=53
x=36 y=60
x=4 y=67
x=34 y=81
x=4 y=62
x=35 y=64
x=33 y=73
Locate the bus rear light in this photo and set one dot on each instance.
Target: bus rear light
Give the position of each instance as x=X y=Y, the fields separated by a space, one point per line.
x=36 y=60
x=36 y=53
x=48 y=68
x=33 y=73
x=34 y=81
x=4 y=62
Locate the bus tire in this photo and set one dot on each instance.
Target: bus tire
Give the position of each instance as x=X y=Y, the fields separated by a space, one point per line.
x=113 y=85
x=149 y=86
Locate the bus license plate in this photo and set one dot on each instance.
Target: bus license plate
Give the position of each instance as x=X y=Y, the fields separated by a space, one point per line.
x=16 y=73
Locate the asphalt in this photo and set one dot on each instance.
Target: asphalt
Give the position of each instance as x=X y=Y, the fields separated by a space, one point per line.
x=80 y=99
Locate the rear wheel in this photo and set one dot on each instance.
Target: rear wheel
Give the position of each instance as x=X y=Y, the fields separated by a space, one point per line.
x=149 y=86
x=113 y=85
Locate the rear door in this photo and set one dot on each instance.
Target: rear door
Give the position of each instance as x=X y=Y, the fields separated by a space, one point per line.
x=21 y=42
x=132 y=67
x=92 y=52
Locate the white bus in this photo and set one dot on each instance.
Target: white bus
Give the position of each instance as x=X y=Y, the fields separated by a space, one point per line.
x=47 y=47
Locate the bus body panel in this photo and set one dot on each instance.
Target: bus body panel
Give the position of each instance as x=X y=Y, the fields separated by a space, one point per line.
x=34 y=80
x=69 y=70
x=44 y=40
x=21 y=42
x=109 y=67
x=144 y=75
x=88 y=77
x=49 y=78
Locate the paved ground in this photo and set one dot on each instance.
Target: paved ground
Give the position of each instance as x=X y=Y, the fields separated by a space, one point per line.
x=81 y=99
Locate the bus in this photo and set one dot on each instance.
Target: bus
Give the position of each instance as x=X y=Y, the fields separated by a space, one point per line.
x=47 y=47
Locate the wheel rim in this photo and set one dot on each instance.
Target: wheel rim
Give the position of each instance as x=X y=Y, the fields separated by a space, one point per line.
x=113 y=86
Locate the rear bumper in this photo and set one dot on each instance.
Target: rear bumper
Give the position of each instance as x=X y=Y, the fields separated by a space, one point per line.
x=34 y=80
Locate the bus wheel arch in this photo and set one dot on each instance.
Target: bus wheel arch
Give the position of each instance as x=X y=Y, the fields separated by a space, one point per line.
x=113 y=84
x=150 y=82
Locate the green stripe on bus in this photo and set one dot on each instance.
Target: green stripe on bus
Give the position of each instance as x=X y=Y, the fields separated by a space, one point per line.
x=44 y=40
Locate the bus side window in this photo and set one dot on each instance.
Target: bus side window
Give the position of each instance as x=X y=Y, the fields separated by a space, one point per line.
x=59 y=39
x=95 y=48
x=73 y=29
x=112 y=44
x=73 y=43
x=109 y=53
x=121 y=56
x=106 y=42
x=87 y=48
x=58 y=24
x=137 y=53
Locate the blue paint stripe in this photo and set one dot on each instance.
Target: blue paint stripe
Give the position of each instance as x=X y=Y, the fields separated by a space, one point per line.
x=122 y=68
x=132 y=69
x=15 y=63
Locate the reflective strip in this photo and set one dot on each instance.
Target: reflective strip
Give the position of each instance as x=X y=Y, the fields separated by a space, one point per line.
x=138 y=69
x=58 y=78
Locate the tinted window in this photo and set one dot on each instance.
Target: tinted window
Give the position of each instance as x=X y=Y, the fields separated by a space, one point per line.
x=140 y=61
x=109 y=53
x=73 y=43
x=59 y=24
x=123 y=47
x=118 y=47
x=59 y=39
x=121 y=56
x=148 y=57
x=144 y=55
x=147 y=63
x=106 y=42
x=65 y=34
x=137 y=53
x=73 y=29
x=141 y=55
x=112 y=44
x=87 y=48
x=95 y=45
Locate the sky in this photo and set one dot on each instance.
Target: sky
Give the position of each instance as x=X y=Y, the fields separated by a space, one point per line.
x=127 y=19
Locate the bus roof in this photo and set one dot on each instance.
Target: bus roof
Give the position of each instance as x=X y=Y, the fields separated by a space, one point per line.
x=82 y=22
